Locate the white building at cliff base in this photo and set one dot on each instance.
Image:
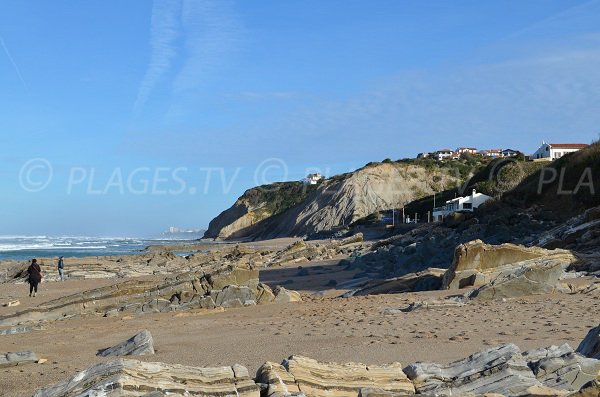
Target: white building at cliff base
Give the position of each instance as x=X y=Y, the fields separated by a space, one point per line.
x=468 y=203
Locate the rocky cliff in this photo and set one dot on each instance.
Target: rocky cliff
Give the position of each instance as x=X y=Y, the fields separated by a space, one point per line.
x=294 y=209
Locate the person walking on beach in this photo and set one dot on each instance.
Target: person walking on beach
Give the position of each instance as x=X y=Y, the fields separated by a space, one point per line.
x=61 y=266
x=35 y=277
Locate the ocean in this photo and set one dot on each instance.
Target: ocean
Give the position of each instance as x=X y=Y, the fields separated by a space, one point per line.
x=28 y=247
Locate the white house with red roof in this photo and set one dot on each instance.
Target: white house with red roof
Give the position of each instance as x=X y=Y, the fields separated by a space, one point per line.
x=552 y=151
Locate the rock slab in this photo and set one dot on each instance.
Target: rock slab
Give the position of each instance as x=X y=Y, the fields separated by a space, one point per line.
x=18 y=358
x=559 y=367
x=302 y=375
x=138 y=345
x=500 y=370
x=123 y=377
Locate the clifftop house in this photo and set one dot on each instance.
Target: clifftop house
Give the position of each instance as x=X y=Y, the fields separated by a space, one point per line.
x=552 y=151
x=312 y=179
x=448 y=154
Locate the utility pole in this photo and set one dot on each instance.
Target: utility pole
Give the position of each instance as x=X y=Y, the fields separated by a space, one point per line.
x=403 y=217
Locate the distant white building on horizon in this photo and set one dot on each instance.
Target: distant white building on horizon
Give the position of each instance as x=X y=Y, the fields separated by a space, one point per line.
x=468 y=203
x=313 y=179
x=552 y=151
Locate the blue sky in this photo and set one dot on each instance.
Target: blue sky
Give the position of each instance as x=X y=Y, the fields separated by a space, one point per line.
x=193 y=96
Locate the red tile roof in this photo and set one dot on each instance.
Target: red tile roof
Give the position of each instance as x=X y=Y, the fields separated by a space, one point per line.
x=568 y=145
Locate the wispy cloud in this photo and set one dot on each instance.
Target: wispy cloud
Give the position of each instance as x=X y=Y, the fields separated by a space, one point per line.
x=13 y=63
x=165 y=29
x=261 y=95
x=212 y=30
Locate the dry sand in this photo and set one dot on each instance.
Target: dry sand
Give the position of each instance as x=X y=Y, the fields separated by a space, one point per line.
x=325 y=328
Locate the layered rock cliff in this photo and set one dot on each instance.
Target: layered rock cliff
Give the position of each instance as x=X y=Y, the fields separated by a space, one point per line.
x=294 y=209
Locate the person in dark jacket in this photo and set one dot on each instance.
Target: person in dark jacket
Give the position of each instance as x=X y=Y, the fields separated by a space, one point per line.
x=61 y=266
x=35 y=277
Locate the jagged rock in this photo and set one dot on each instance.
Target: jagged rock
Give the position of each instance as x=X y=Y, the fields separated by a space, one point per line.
x=135 y=378
x=500 y=370
x=590 y=346
x=315 y=379
x=477 y=264
x=283 y=295
x=18 y=358
x=559 y=367
x=138 y=345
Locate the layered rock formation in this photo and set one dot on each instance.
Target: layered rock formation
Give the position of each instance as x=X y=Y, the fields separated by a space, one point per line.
x=476 y=263
x=341 y=200
x=507 y=270
x=500 y=370
x=225 y=286
x=138 y=345
x=301 y=375
x=135 y=378
x=559 y=367
x=553 y=371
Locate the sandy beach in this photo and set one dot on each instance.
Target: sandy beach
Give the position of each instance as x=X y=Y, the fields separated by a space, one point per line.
x=325 y=328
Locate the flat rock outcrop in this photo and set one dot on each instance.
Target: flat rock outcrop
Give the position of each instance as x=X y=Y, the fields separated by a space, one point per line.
x=18 y=358
x=590 y=346
x=124 y=377
x=499 y=370
x=138 y=345
x=301 y=375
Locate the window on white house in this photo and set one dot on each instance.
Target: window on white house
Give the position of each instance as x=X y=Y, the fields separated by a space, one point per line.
x=468 y=206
